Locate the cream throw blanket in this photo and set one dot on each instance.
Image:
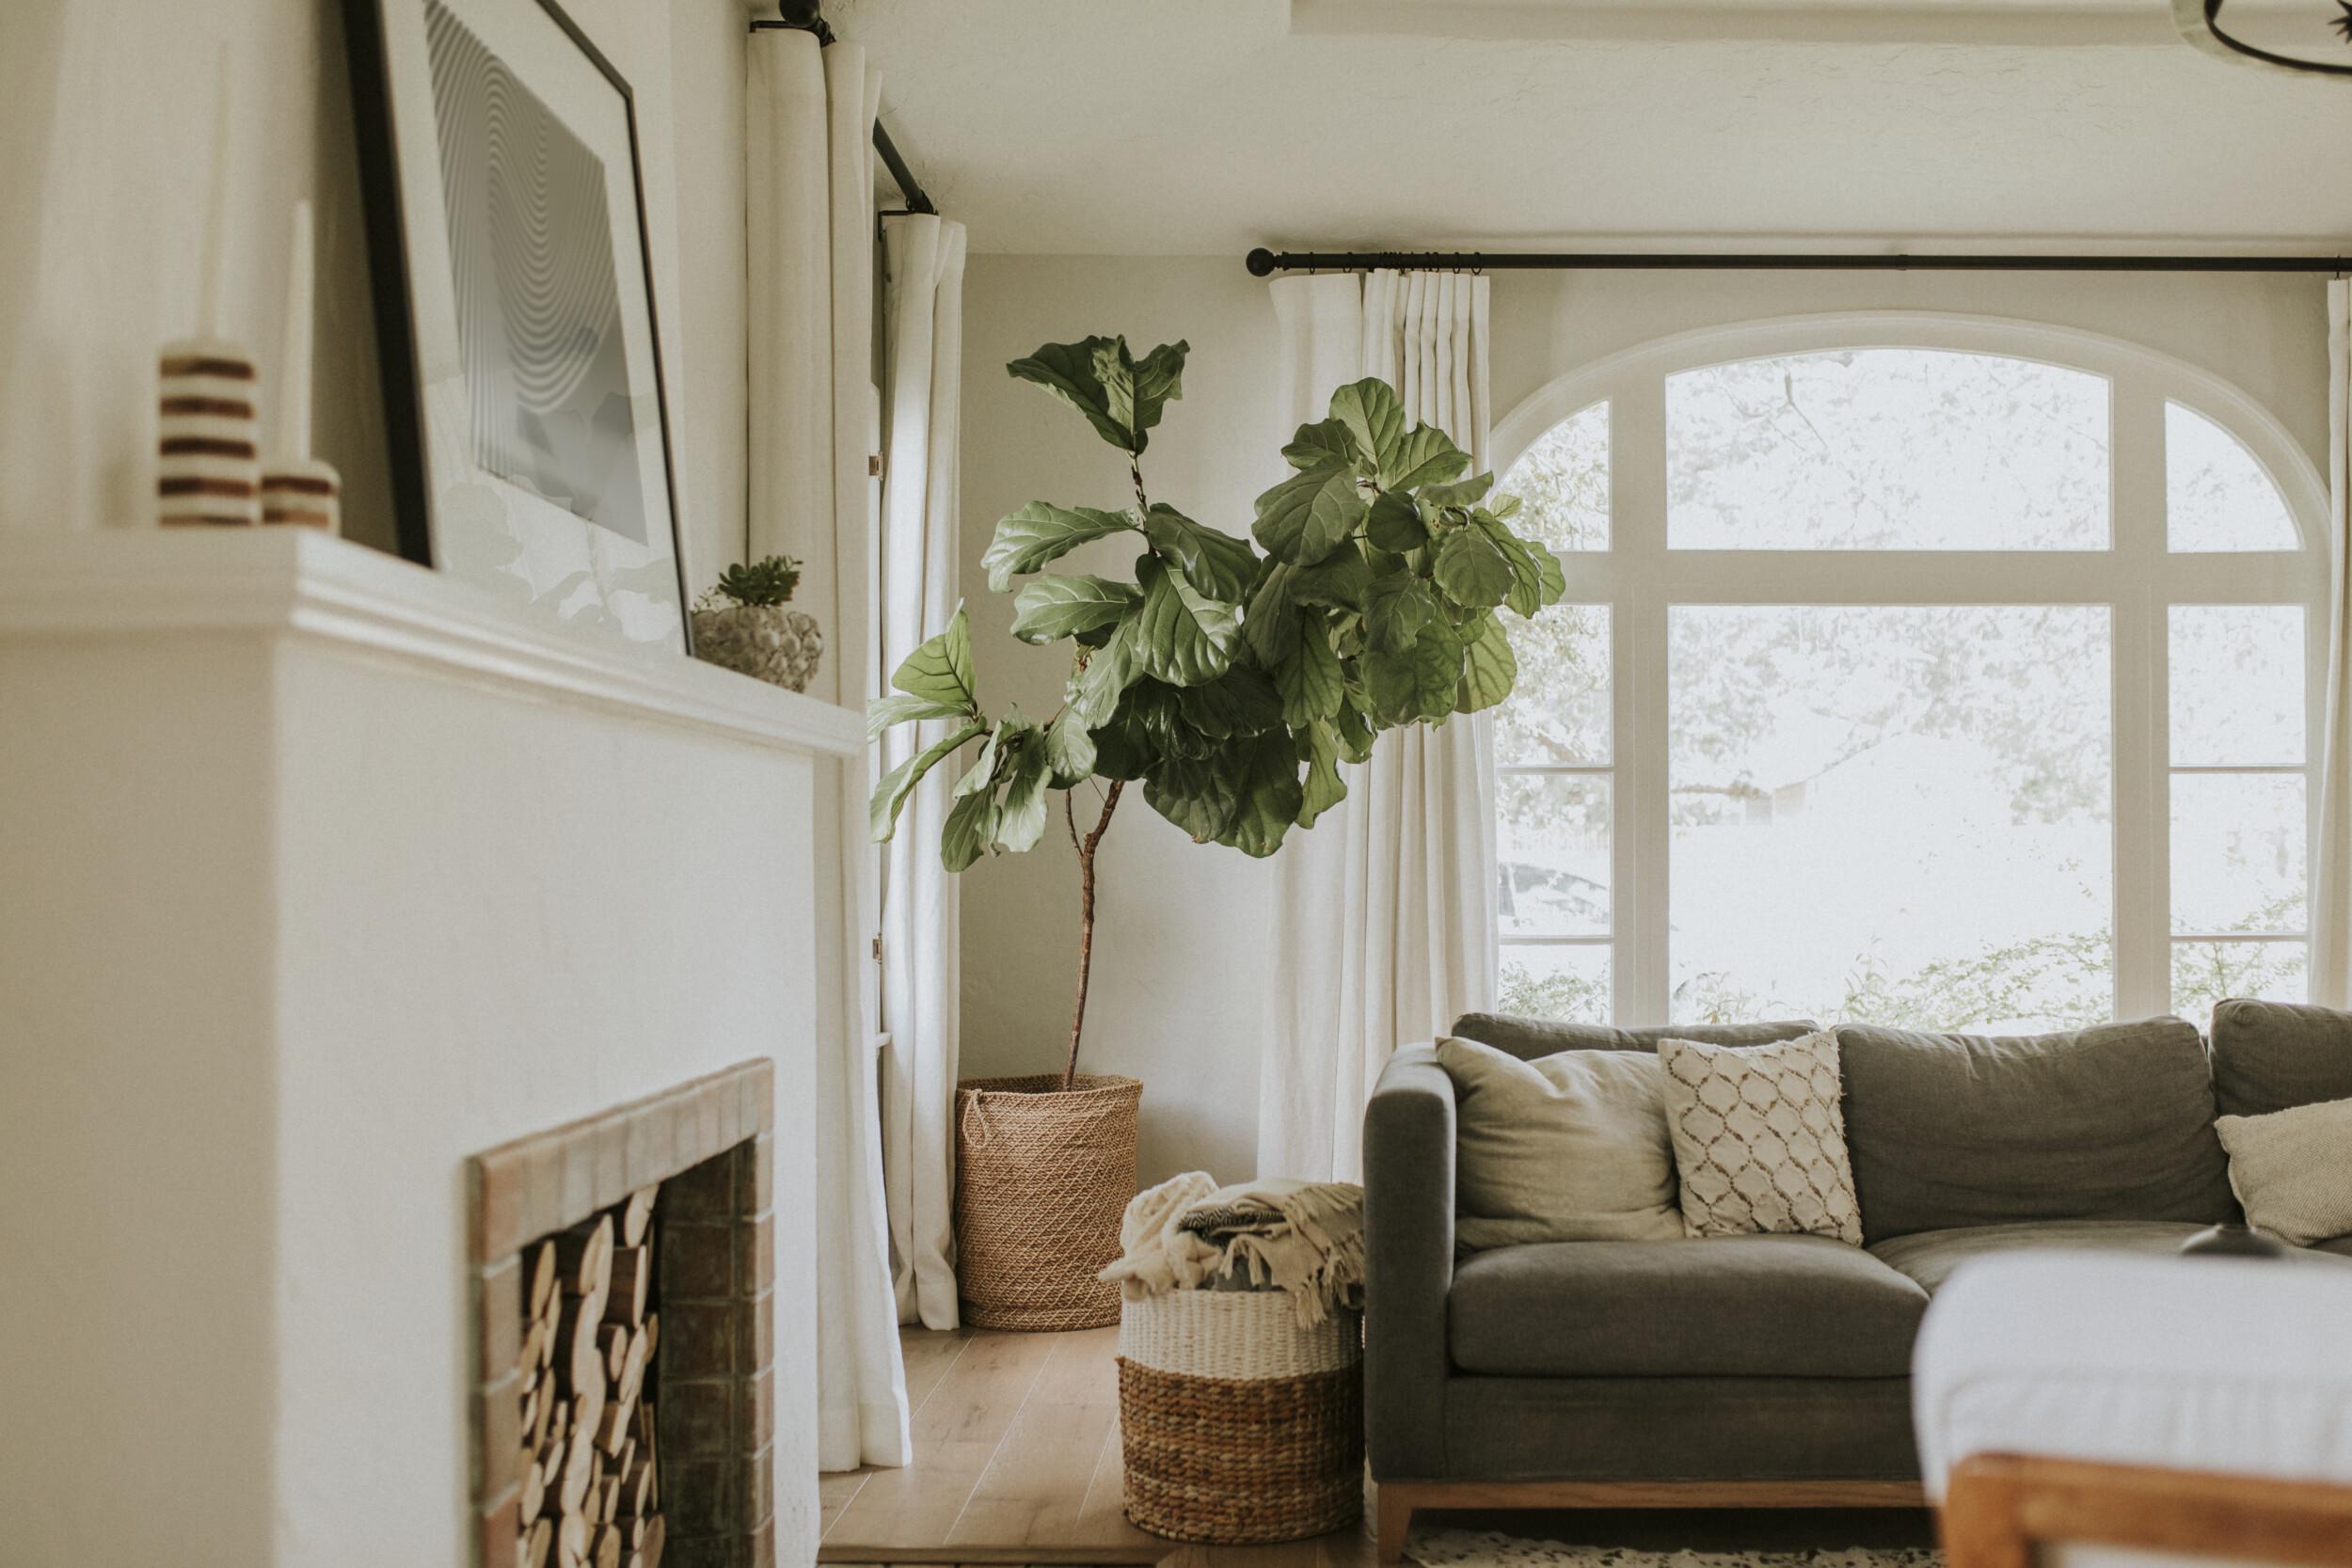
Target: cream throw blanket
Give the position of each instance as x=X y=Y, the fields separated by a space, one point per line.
x=1303 y=1237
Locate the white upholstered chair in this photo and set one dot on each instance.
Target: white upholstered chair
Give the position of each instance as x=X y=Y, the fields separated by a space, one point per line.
x=2084 y=1409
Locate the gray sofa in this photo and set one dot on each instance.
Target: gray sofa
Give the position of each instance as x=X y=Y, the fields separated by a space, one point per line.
x=1776 y=1370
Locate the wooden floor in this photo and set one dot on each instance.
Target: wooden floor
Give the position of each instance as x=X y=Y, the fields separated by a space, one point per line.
x=1017 y=1461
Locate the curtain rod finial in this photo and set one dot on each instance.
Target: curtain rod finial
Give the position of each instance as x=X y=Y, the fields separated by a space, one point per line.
x=1260 y=263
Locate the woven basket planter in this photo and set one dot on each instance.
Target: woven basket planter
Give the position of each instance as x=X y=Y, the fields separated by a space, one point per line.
x=1043 y=1178
x=1237 y=1425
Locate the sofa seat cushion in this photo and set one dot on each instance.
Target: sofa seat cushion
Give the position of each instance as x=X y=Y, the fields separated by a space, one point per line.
x=1725 y=1307
x=1931 y=1256
x=2111 y=1122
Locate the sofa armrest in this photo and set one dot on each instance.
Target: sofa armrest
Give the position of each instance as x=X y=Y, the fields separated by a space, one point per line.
x=1408 y=1264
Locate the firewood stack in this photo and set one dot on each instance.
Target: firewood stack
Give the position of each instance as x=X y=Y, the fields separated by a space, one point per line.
x=591 y=1488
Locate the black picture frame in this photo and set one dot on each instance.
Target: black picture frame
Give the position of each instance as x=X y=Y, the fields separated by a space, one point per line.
x=397 y=253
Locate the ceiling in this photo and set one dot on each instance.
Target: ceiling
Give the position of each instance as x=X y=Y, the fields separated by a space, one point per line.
x=1179 y=127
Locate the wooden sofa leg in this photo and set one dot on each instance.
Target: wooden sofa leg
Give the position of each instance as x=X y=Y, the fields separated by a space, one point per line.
x=1396 y=1516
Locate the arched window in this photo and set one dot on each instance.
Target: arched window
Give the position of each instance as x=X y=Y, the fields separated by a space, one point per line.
x=1921 y=669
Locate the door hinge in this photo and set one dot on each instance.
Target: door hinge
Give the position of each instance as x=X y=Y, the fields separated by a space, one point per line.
x=878 y=949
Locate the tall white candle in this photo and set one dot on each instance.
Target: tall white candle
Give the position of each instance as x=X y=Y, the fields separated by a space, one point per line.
x=293 y=377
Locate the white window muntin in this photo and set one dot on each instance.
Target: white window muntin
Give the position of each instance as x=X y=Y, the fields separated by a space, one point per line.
x=1639 y=577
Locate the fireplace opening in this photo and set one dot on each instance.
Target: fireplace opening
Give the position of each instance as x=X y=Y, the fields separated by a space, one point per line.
x=626 y=1413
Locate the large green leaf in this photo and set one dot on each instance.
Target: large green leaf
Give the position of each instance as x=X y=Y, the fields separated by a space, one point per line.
x=1374 y=415
x=1094 y=690
x=1324 y=788
x=1241 y=702
x=983 y=771
x=1320 y=443
x=1303 y=519
x=1122 y=751
x=1023 y=821
x=1266 y=797
x=1394 y=522
x=1198 y=795
x=1218 y=564
x=1154 y=710
x=1158 y=379
x=882 y=712
x=1353 y=734
x=1308 y=680
x=1471 y=571
x=1180 y=637
x=1270 y=622
x=1425 y=456
x=1489 y=669
x=1396 y=608
x=891 y=794
x=940 y=670
x=1419 y=683
x=1467 y=493
x=1053 y=607
x=1527 y=581
x=970 y=832
x=1337 y=581
x=1070 y=748
x=1040 y=533
x=1068 y=371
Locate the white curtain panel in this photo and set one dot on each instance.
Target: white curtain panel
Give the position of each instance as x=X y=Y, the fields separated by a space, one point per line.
x=809 y=220
x=2331 y=870
x=1383 y=921
x=923 y=354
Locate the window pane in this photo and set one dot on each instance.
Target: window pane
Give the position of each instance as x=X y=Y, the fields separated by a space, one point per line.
x=1891 y=814
x=2237 y=852
x=1552 y=854
x=1886 y=450
x=1558 y=712
x=2216 y=495
x=1571 y=984
x=2237 y=685
x=2205 y=973
x=1563 y=483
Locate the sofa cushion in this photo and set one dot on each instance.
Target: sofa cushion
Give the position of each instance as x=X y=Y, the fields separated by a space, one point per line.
x=1759 y=1138
x=2275 y=1055
x=1567 y=1148
x=2113 y=1122
x=2293 y=1169
x=1530 y=1037
x=1931 y=1256
x=1733 y=1306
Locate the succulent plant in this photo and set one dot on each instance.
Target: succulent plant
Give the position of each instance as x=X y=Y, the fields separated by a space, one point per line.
x=768 y=581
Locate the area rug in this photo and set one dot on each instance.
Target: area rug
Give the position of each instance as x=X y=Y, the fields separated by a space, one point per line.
x=1462 y=1548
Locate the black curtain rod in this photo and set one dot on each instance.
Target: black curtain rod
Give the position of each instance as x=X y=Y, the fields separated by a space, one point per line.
x=1262 y=262
x=806 y=16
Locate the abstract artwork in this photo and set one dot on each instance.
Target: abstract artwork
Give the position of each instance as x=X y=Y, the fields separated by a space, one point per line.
x=500 y=149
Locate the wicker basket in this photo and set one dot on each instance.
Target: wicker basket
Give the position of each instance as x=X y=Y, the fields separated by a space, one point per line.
x=1043 y=1178
x=1239 y=1426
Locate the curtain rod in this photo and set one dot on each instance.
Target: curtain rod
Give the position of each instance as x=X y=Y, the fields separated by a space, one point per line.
x=1263 y=262
x=807 y=16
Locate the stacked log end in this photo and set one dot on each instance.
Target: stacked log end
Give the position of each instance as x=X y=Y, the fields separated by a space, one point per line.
x=590 y=1491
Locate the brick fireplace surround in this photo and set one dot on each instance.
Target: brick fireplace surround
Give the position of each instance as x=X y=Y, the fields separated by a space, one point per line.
x=711 y=1144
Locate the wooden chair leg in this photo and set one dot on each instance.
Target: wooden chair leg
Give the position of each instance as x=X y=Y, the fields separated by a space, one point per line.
x=1396 y=1517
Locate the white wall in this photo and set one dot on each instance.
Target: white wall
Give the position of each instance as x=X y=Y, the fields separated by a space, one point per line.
x=106 y=128
x=1178 y=957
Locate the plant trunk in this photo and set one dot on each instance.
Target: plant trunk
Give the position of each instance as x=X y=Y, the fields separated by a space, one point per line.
x=1085 y=847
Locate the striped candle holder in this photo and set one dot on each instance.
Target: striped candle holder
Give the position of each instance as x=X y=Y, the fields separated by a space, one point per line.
x=208 y=457
x=303 y=493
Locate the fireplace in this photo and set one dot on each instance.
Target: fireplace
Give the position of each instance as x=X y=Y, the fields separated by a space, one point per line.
x=595 y=1453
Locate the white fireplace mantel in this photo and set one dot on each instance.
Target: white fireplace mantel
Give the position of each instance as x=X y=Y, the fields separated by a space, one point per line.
x=130 y=582
x=319 y=873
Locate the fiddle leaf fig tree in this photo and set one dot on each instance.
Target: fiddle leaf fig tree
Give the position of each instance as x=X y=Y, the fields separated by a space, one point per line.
x=1230 y=684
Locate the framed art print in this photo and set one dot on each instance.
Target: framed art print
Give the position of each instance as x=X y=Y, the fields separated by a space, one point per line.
x=514 y=306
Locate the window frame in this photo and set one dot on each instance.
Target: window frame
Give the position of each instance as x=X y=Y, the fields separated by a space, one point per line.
x=1639 y=578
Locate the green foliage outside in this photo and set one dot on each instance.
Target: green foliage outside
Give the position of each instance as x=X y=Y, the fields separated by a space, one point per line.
x=1230 y=684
